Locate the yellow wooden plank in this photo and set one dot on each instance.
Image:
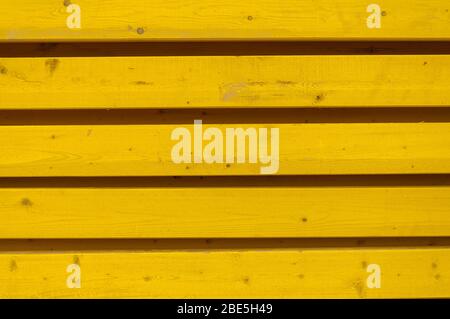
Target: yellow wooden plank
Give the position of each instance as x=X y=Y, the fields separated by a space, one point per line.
x=404 y=273
x=146 y=150
x=224 y=212
x=225 y=81
x=42 y=20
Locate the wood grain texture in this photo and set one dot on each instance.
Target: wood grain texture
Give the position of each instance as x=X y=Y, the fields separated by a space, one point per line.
x=145 y=150
x=83 y=185
x=224 y=212
x=275 y=273
x=225 y=81
x=43 y=20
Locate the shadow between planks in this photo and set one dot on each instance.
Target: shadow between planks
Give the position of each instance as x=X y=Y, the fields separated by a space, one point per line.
x=220 y=48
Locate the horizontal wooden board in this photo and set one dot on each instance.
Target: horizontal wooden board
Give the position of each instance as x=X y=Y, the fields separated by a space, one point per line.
x=225 y=81
x=43 y=20
x=224 y=212
x=331 y=273
x=146 y=150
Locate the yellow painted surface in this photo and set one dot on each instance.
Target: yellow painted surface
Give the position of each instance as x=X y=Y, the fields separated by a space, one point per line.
x=101 y=205
x=224 y=212
x=145 y=150
x=34 y=20
x=316 y=273
x=225 y=81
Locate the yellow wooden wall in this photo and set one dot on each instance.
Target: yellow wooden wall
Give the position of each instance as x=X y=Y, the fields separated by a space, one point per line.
x=87 y=181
